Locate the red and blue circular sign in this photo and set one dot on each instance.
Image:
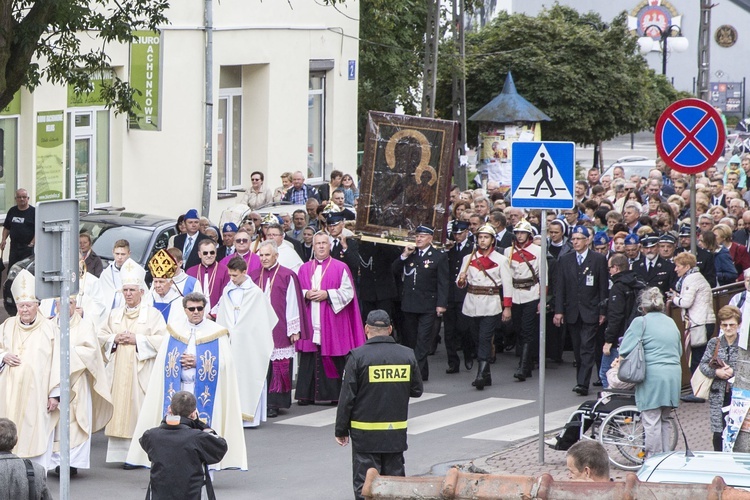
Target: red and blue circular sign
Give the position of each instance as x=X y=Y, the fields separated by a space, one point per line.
x=690 y=136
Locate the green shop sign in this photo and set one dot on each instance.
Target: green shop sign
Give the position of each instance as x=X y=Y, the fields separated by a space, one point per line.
x=50 y=138
x=14 y=107
x=145 y=76
x=94 y=96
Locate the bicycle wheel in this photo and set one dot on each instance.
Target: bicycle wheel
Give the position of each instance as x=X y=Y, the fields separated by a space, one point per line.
x=623 y=437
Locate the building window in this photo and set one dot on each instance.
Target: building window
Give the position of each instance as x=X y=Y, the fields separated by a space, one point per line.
x=316 y=100
x=88 y=167
x=229 y=128
x=8 y=161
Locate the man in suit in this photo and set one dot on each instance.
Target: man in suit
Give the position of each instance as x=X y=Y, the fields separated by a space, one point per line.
x=582 y=285
x=653 y=269
x=633 y=249
x=705 y=258
x=424 y=270
x=717 y=192
x=342 y=248
x=228 y=231
x=188 y=241
x=299 y=221
x=504 y=238
x=742 y=236
x=457 y=331
x=377 y=284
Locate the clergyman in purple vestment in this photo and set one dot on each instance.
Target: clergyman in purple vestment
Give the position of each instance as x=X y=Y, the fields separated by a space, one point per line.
x=242 y=249
x=213 y=276
x=282 y=287
x=331 y=306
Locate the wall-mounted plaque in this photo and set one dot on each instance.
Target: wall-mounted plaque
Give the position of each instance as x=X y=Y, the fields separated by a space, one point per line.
x=725 y=35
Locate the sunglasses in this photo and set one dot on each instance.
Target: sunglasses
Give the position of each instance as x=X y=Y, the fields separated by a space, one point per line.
x=212 y=252
x=195 y=308
x=241 y=240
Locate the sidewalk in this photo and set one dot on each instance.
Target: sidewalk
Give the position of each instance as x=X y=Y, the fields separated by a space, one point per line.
x=523 y=457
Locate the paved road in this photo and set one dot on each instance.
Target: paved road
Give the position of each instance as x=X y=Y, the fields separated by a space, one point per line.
x=295 y=455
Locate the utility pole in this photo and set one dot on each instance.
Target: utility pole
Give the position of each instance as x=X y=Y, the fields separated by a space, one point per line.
x=459 y=87
x=432 y=34
x=704 y=42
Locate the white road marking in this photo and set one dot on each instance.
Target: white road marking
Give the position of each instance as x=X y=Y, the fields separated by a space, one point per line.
x=525 y=428
x=328 y=416
x=461 y=413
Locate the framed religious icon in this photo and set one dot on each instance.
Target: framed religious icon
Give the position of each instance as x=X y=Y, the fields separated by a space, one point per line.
x=406 y=176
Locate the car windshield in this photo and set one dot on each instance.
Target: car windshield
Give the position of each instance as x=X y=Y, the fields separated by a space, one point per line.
x=105 y=235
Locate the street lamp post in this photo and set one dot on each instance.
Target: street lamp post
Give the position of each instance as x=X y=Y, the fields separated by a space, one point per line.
x=678 y=44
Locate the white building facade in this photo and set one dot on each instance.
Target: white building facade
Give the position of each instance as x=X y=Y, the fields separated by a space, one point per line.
x=284 y=99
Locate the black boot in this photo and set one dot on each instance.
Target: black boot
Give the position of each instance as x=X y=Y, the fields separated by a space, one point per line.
x=479 y=381
x=487 y=375
x=524 y=364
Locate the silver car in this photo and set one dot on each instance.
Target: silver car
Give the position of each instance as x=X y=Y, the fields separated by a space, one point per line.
x=632 y=165
x=701 y=468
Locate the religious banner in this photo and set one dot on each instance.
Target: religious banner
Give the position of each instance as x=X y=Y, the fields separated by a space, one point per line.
x=50 y=139
x=406 y=175
x=145 y=76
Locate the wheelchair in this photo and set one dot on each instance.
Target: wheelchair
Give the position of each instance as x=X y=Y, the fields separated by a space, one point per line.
x=614 y=421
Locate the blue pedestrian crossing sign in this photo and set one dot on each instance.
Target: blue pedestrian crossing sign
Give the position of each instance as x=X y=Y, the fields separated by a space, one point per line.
x=543 y=175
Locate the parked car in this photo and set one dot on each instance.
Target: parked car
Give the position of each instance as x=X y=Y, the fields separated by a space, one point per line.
x=701 y=468
x=145 y=233
x=632 y=165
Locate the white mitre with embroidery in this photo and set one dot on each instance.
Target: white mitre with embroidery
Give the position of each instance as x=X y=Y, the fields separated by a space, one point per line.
x=132 y=274
x=24 y=287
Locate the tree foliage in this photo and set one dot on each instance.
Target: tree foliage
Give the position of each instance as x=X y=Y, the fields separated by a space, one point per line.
x=390 y=55
x=587 y=76
x=41 y=40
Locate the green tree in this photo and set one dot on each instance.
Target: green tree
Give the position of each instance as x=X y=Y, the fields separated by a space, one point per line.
x=40 y=40
x=390 y=56
x=587 y=76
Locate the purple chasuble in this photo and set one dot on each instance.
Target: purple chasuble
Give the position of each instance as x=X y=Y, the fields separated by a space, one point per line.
x=339 y=333
x=280 y=277
x=252 y=260
x=218 y=277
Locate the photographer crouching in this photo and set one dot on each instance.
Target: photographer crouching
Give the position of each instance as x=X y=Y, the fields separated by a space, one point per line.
x=180 y=451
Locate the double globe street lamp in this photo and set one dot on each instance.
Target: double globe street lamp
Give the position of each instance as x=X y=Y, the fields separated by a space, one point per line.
x=673 y=33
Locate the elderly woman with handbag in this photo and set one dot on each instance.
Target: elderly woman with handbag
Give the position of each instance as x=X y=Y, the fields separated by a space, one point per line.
x=693 y=295
x=659 y=392
x=718 y=364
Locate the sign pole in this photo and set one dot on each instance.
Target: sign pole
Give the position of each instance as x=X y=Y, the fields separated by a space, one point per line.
x=693 y=222
x=57 y=276
x=65 y=365
x=542 y=329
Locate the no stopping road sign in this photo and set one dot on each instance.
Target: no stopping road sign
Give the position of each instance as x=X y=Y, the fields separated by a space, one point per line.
x=690 y=136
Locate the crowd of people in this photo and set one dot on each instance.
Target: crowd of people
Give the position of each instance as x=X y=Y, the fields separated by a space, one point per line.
x=231 y=308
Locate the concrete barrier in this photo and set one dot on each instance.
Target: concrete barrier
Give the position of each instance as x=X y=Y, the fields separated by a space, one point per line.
x=462 y=485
